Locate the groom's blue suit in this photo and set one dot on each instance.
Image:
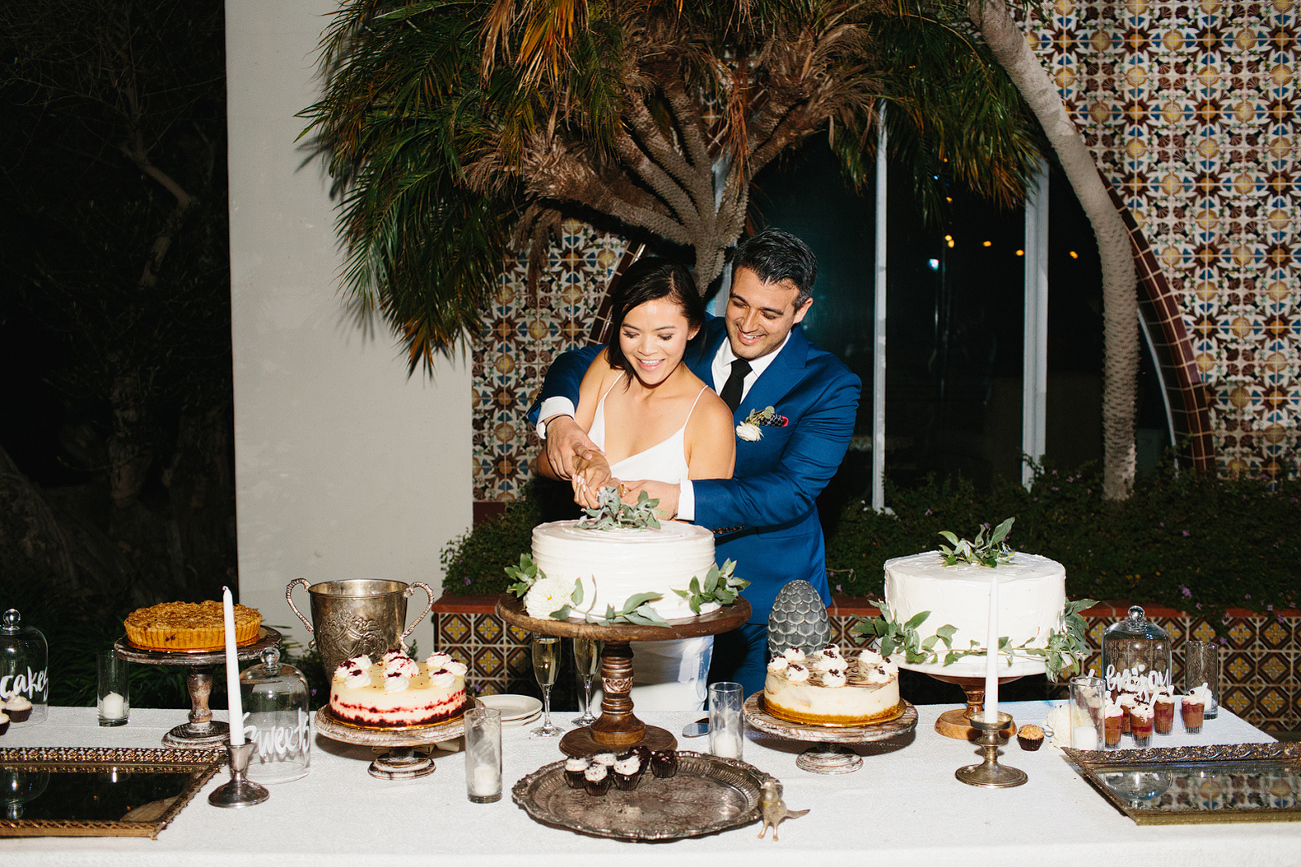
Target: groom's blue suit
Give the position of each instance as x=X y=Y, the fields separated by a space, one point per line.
x=765 y=517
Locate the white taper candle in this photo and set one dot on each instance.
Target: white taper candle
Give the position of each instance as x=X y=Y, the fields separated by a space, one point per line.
x=235 y=704
x=991 y=653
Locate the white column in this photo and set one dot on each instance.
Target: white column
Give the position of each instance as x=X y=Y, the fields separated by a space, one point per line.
x=1034 y=395
x=345 y=466
x=878 y=326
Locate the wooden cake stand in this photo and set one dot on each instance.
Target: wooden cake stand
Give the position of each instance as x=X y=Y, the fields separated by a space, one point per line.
x=202 y=732
x=618 y=728
x=956 y=723
x=829 y=754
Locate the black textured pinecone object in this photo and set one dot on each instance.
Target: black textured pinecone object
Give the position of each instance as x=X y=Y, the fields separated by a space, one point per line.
x=798 y=619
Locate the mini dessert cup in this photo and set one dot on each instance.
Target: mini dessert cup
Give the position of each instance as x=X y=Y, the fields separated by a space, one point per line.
x=1163 y=714
x=596 y=779
x=1112 y=724
x=607 y=759
x=627 y=772
x=664 y=763
x=1140 y=724
x=1192 y=712
x=1030 y=737
x=1126 y=702
x=574 y=771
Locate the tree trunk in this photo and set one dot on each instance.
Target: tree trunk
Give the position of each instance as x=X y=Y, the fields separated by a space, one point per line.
x=1119 y=281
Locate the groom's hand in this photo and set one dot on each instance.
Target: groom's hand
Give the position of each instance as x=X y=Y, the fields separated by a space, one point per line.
x=566 y=441
x=665 y=492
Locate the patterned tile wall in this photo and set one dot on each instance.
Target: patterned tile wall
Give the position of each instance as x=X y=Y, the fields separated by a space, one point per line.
x=1260 y=663
x=1191 y=112
x=525 y=330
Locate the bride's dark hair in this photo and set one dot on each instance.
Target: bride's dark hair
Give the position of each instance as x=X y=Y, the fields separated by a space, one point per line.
x=645 y=280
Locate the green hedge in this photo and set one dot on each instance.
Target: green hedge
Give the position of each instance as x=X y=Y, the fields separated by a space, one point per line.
x=1186 y=540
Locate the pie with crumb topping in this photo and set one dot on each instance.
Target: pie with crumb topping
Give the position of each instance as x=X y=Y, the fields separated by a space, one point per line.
x=189 y=626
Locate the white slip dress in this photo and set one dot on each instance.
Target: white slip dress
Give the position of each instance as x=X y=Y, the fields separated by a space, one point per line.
x=667 y=675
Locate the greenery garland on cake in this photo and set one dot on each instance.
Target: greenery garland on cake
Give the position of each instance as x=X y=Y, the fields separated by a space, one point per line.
x=540 y=592
x=1065 y=649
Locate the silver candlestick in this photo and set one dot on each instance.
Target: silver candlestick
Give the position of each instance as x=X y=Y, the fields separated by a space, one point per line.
x=989 y=773
x=240 y=791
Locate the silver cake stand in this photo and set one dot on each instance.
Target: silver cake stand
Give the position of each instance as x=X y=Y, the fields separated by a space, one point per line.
x=202 y=732
x=400 y=759
x=830 y=753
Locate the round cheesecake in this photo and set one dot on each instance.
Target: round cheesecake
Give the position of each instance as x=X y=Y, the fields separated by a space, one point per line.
x=397 y=691
x=825 y=688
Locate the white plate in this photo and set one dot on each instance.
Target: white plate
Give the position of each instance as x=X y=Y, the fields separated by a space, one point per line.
x=521 y=721
x=512 y=707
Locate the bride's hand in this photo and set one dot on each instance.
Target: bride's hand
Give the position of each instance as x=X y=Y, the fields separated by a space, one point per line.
x=590 y=475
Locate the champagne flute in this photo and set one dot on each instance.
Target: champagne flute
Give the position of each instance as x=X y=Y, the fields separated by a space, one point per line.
x=587 y=658
x=546 y=664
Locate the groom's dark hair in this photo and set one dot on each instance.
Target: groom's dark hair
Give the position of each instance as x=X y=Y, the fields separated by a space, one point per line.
x=775 y=255
x=649 y=279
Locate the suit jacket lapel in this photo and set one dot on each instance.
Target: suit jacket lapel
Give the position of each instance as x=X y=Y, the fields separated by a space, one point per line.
x=781 y=376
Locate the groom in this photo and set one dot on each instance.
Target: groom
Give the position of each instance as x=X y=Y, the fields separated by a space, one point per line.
x=765 y=517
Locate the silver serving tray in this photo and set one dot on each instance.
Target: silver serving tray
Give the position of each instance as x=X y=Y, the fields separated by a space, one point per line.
x=706 y=796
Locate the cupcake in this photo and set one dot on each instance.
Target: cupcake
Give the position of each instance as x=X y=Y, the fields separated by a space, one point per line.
x=4 y=722
x=627 y=772
x=596 y=779
x=664 y=763
x=1030 y=737
x=574 y=770
x=607 y=759
x=18 y=708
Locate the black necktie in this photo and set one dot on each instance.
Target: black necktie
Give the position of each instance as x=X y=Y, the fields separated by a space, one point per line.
x=731 y=393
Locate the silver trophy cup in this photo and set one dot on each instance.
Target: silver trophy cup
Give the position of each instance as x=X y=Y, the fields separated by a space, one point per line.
x=357 y=615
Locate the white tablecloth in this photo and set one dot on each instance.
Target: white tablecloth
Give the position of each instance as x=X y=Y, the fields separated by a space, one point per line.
x=903 y=807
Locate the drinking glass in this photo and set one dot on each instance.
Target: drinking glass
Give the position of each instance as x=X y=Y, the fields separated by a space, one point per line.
x=1202 y=665
x=587 y=658
x=726 y=719
x=113 y=697
x=1087 y=706
x=483 y=755
x=546 y=664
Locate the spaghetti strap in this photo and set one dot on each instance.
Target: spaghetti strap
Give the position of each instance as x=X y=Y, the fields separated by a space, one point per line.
x=693 y=404
x=619 y=379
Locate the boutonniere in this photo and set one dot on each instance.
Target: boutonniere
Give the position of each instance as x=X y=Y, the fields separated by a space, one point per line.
x=751 y=429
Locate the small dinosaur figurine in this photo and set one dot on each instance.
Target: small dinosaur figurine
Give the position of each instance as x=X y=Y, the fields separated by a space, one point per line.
x=773 y=809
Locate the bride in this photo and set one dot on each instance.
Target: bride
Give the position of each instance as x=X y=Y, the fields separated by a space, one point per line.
x=653 y=419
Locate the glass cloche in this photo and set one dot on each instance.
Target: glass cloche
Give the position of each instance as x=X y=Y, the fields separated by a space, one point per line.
x=24 y=676
x=1136 y=657
x=277 y=719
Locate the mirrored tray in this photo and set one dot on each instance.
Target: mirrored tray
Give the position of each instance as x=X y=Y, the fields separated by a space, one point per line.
x=1181 y=785
x=706 y=796
x=99 y=792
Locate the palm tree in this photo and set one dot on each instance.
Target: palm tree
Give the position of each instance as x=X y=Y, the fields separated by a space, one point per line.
x=462 y=132
x=1120 y=301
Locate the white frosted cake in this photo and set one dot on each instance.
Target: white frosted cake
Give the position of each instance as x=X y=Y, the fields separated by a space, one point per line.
x=616 y=564
x=825 y=688
x=1031 y=596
